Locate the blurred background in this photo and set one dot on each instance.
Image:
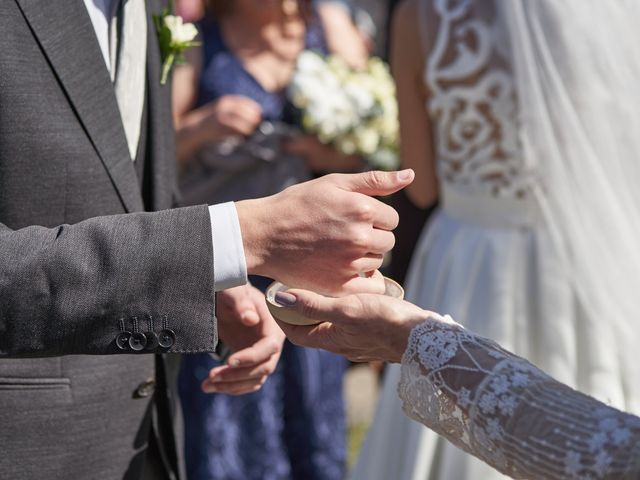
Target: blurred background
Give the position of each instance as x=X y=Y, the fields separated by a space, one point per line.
x=310 y=420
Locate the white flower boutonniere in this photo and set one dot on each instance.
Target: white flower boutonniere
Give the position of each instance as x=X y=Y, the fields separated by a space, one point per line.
x=174 y=38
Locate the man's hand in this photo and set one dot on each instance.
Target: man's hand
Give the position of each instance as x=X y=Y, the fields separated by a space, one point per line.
x=326 y=235
x=362 y=327
x=246 y=326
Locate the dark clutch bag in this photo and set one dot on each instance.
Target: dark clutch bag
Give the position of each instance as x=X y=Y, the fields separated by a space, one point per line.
x=242 y=168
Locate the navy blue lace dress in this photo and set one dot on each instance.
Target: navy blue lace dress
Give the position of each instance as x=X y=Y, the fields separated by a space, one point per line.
x=294 y=427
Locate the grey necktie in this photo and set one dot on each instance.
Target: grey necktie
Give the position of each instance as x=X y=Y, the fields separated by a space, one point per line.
x=128 y=50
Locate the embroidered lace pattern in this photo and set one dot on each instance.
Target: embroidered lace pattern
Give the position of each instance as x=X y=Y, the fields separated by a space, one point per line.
x=503 y=410
x=472 y=100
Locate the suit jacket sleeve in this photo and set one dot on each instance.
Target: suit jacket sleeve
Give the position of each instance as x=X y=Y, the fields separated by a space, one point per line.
x=77 y=289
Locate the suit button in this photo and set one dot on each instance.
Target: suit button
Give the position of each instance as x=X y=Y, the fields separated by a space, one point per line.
x=166 y=338
x=122 y=340
x=145 y=389
x=138 y=341
x=152 y=340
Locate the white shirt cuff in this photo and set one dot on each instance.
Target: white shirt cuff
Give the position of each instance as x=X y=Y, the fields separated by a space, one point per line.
x=229 y=262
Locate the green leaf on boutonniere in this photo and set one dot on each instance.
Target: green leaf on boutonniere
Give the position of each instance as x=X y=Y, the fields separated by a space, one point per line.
x=174 y=37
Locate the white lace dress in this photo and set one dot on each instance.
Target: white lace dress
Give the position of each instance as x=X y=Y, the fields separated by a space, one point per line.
x=503 y=410
x=486 y=258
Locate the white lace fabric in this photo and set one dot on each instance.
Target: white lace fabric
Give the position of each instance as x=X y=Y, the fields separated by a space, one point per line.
x=503 y=410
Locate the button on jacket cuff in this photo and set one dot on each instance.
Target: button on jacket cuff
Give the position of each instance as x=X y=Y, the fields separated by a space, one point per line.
x=229 y=262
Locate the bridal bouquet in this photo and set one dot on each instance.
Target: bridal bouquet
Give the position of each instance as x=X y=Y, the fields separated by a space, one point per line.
x=354 y=110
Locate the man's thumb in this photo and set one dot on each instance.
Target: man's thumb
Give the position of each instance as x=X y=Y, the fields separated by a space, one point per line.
x=378 y=183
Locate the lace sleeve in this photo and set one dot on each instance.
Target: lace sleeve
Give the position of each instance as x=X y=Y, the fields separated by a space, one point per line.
x=503 y=410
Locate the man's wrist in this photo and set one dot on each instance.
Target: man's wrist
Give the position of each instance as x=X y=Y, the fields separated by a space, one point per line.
x=251 y=227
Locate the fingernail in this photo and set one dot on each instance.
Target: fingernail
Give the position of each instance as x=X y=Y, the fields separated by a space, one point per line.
x=208 y=388
x=285 y=299
x=234 y=363
x=405 y=174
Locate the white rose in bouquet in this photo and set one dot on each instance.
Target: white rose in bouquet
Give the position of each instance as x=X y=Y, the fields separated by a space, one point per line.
x=367 y=140
x=312 y=77
x=362 y=99
x=346 y=144
x=356 y=111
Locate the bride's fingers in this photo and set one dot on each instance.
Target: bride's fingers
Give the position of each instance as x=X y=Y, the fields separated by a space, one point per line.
x=317 y=336
x=328 y=336
x=310 y=304
x=326 y=309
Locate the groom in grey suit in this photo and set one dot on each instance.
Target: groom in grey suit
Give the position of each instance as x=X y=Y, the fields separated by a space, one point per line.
x=94 y=292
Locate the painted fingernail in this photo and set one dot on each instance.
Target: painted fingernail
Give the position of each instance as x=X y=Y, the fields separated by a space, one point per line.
x=285 y=299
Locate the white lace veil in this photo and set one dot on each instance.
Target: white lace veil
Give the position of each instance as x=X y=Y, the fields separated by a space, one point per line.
x=577 y=69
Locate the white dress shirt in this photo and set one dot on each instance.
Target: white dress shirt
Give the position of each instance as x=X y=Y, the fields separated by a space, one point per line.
x=229 y=263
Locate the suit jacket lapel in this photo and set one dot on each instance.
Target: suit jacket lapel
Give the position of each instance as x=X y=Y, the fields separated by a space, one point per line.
x=160 y=127
x=70 y=44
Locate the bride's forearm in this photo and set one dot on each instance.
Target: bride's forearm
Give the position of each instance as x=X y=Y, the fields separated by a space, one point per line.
x=508 y=413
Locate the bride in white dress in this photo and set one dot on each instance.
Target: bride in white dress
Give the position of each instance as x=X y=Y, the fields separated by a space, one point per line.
x=530 y=140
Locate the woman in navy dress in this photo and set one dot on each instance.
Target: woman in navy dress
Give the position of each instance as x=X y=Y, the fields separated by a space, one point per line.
x=294 y=427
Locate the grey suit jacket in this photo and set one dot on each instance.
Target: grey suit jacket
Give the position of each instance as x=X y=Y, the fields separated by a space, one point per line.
x=79 y=263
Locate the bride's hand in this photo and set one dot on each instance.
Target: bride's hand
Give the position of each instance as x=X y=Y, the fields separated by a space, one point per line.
x=362 y=327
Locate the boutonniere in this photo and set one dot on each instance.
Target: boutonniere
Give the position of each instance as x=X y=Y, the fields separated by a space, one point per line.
x=174 y=38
